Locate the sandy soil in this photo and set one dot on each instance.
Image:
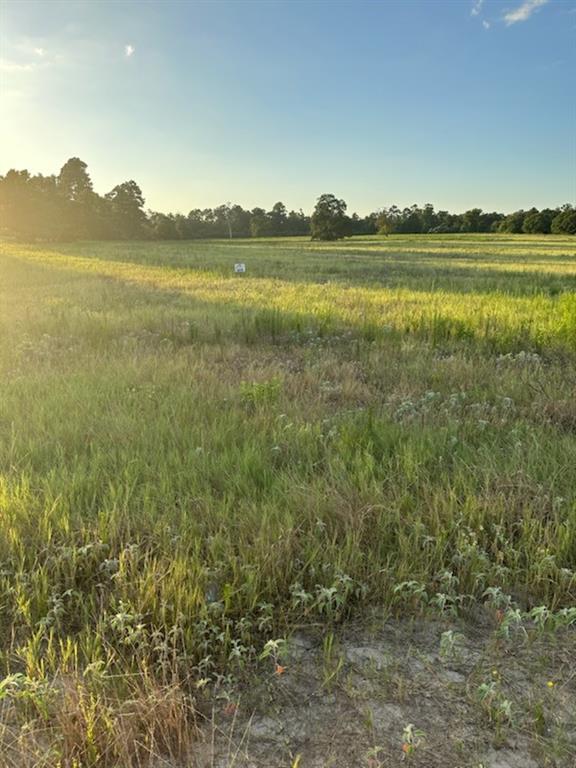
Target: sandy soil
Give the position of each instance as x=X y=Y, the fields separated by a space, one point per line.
x=344 y=699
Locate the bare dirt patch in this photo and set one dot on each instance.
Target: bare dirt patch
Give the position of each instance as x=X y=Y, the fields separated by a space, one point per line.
x=347 y=699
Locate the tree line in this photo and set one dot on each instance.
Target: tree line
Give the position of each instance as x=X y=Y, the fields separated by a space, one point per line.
x=66 y=207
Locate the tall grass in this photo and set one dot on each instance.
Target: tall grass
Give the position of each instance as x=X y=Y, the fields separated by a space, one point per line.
x=192 y=462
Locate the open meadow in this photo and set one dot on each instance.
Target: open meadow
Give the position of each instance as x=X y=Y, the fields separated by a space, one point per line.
x=197 y=467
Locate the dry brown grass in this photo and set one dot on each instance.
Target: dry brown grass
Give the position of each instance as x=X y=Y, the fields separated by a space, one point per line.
x=150 y=725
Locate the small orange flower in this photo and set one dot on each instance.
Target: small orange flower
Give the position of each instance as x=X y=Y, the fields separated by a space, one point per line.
x=230 y=708
x=406 y=748
x=279 y=670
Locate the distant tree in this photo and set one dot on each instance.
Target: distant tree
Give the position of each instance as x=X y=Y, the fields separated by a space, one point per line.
x=387 y=220
x=101 y=220
x=182 y=226
x=127 y=211
x=328 y=221
x=30 y=207
x=214 y=221
x=471 y=221
x=73 y=179
x=410 y=221
x=52 y=218
x=16 y=203
x=195 y=224
x=163 y=227
x=278 y=217
x=447 y=222
x=429 y=218
x=79 y=209
x=354 y=225
x=538 y=222
x=240 y=221
x=260 y=225
x=564 y=223
x=221 y=221
x=65 y=206
x=385 y=223
x=370 y=227
x=513 y=223
x=298 y=223
x=491 y=221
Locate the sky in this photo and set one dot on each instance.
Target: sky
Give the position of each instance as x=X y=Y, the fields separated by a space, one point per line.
x=461 y=103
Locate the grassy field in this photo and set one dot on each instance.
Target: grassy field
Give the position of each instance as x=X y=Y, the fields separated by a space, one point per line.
x=194 y=462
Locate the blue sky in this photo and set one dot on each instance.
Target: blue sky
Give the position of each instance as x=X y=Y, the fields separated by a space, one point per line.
x=460 y=102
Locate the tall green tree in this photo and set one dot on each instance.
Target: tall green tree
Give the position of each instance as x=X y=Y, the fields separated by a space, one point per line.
x=565 y=222
x=538 y=222
x=127 y=211
x=513 y=223
x=16 y=202
x=260 y=225
x=73 y=179
x=30 y=207
x=163 y=227
x=472 y=220
x=328 y=221
x=278 y=219
x=298 y=223
x=79 y=204
x=429 y=219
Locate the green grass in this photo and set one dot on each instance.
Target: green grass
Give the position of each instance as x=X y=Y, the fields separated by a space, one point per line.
x=192 y=462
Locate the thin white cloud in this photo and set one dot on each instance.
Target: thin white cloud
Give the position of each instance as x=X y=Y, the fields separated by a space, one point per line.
x=10 y=65
x=523 y=12
x=15 y=66
x=28 y=55
x=129 y=50
x=486 y=24
x=477 y=7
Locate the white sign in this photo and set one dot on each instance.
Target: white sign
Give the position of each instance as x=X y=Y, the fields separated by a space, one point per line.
x=239 y=268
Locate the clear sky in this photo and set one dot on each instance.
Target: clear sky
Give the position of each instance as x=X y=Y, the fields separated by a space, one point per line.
x=460 y=103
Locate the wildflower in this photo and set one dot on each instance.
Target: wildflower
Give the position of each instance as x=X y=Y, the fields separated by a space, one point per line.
x=279 y=669
x=230 y=709
x=550 y=683
x=412 y=738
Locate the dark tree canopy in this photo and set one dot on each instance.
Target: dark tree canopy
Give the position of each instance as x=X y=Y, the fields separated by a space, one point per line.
x=328 y=221
x=538 y=222
x=74 y=182
x=565 y=222
x=127 y=210
x=66 y=207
